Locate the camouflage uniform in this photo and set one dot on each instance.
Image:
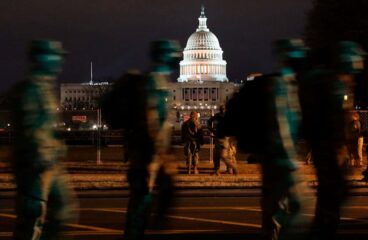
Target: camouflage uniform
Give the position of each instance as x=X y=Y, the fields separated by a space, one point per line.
x=264 y=117
x=191 y=132
x=322 y=91
x=321 y=97
x=149 y=145
x=281 y=200
x=41 y=184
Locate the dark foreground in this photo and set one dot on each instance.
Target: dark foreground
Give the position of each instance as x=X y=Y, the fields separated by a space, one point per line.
x=196 y=215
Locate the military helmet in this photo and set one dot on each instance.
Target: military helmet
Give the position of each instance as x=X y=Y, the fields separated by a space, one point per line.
x=350 y=57
x=45 y=46
x=166 y=51
x=290 y=48
x=46 y=56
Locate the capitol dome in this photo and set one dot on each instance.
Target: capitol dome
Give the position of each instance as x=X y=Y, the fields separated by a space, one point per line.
x=202 y=56
x=203 y=40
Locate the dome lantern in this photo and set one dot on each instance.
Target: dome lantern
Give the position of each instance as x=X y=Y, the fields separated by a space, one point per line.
x=202 y=22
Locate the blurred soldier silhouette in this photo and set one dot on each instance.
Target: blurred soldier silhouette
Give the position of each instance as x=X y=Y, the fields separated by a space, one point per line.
x=268 y=128
x=137 y=103
x=42 y=190
x=224 y=149
x=322 y=91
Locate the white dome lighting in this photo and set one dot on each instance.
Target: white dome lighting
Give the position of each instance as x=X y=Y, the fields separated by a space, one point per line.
x=203 y=56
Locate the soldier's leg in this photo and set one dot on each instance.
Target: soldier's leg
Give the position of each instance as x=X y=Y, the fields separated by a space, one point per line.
x=230 y=164
x=365 y=171
x=165 y=195
x=331 y=193
x=188 y=156
x=61 y=206
x=31 y=214
x=360 y=151
x=228 y=156
x=351 y=153
x=271 y=203
x=31 y=205
x=279 y=203
x=355 y=154
x=195 y=158
x=139 y=205
x=217 y=156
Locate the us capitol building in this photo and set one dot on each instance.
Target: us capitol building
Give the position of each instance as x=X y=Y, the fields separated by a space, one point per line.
x=202 y=85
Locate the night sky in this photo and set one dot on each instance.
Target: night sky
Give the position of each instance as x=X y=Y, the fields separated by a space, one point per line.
x=115 y=34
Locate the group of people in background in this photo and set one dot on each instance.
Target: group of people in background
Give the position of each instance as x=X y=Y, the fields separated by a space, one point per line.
x=224 y=146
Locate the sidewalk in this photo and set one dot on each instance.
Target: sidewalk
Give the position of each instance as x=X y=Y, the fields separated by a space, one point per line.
x=111 y=176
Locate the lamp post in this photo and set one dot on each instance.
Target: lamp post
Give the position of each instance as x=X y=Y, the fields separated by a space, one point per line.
x=211 y=142
x=98 y=160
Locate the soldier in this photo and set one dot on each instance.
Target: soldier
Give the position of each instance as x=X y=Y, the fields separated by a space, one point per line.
x=264 y=117
x=224 y=149
x=192 y=137
x=42 y=189
x=322 y=92
x=281 y=200
x=149 y=138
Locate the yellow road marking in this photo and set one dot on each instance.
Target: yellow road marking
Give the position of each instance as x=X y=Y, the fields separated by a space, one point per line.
x=191 y=219
x=356 y=207
x=7 y=215
x=98 y=229
x=215 y=221
x=116 y=210
x=149 y=232
x=6 y=234
x=181 y=231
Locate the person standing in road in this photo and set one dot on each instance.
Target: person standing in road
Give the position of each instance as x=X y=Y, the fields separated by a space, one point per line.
x=42 y=189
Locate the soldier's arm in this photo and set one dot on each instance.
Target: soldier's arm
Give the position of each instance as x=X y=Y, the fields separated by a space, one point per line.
x=209 y=123
x=33 y=111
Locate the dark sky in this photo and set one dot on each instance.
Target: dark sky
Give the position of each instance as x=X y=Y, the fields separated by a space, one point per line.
x=115 y=34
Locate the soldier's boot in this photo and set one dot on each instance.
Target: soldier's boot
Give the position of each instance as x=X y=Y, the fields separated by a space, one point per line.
x=28 y=229
x=229 y=171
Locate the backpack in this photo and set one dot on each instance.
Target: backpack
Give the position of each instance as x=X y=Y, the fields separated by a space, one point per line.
x=123 y=106
x=251 y=115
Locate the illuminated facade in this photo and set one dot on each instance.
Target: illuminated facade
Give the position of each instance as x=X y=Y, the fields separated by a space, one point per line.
x=202 y=56
x=81 y=96
x=202 y=85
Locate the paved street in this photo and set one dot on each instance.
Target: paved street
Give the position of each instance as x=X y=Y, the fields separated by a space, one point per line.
x=205 y=214
x=208 y=207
